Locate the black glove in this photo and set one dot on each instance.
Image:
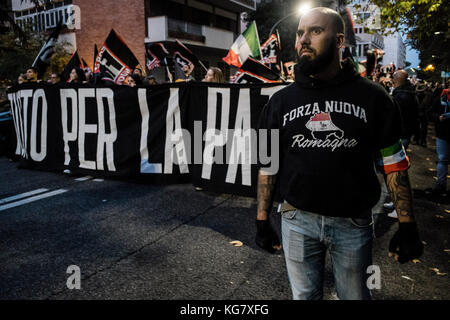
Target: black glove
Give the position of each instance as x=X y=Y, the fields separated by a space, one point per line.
x=406 y=242
x=266 y=237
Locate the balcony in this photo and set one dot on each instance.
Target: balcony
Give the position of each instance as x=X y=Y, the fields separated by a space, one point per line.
x=163 y=28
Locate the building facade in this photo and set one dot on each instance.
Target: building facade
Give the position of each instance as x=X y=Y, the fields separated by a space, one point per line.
x=368 y=36
x=366 y=18
x=208 y=27
x=45 y=18
x=395 y=51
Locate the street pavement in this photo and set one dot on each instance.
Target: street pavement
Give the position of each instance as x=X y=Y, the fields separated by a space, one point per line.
x=141 y=241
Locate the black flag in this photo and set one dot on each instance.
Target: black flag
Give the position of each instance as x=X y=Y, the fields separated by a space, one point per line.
x=183 y=57
x=350 y=39
x=42 y=60
x=271 y=48
x=95 y=74
x=74 y=62
x=115 y=61
x=253 y=71
x=156 y=54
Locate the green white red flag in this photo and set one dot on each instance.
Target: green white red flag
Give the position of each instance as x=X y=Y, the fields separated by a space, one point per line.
x=246 y=45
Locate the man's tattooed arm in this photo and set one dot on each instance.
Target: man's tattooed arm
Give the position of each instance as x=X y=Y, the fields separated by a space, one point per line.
x=400 y=191
x=266 y=190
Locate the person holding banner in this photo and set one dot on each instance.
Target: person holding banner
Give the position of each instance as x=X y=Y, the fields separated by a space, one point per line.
x=329 y=124
x=77 y=75
x=32 y=74
x=21 y=78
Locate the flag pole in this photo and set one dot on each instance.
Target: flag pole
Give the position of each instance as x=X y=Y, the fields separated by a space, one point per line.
x=168 y=72
x=202 y=65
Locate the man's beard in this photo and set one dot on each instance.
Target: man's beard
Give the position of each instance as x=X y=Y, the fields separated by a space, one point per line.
x=310 y=66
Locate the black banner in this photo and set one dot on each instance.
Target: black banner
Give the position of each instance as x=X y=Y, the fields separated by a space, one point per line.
x=199 y=132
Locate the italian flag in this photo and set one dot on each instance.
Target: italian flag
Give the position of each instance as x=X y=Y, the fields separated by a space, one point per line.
x=246 y=45
x=394 y=158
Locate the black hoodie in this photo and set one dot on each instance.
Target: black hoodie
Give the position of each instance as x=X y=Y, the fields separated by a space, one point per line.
x=329 y=133
x=405 y=96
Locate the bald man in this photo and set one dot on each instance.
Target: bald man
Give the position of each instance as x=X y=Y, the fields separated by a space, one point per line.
x=405 y=96
x=330 y=124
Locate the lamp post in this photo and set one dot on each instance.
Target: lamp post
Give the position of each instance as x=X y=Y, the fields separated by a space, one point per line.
x=301 y=10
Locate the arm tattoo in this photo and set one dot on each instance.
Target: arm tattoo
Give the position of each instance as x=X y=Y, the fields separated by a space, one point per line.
x=266 y=187
x=400 y=191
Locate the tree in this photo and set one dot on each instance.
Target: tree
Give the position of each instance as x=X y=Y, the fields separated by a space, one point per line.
x=16 y=55
x=7 y=22
x=425 y=22
x=20 y=46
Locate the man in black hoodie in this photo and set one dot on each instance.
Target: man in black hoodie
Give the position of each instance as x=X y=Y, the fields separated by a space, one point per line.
x=405 y=96
x=440 y=115
x=331 y=122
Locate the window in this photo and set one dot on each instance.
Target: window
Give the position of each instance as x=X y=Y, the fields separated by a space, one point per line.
x=225 y=23
x=200 y=17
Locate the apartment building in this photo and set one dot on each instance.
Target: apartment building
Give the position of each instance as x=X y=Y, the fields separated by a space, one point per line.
x=209 y=27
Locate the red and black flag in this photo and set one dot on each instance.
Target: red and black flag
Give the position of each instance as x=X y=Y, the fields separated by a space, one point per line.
x=95 y=53
x=86 y=66
x=115 y=61
x=253 y=71
x=156 y=54
x=74 y=62
x=289 y=66
x=271 y=48
x=42 y=60
x=350 y=39
x=184 y=60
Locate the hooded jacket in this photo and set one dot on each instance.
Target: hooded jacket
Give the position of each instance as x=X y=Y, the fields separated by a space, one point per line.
x=440 y=106
x=405 y=96
x=329 y=132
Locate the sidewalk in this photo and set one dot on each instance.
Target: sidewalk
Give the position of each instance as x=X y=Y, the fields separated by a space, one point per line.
x=428 y=278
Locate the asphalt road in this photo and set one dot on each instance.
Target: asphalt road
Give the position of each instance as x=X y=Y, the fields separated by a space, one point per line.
x=141 y=241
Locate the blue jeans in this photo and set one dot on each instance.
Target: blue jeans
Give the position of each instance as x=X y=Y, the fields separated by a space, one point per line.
x=306 y=237
x=443 y=152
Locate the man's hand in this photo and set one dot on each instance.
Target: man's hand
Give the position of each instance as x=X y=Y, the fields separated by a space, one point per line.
x=266 y=237
x=405 y=245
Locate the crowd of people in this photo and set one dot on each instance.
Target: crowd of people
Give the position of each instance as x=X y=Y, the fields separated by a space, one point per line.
x=136 y=78
x=397 y=110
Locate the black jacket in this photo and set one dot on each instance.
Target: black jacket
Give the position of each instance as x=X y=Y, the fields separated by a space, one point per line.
x=442 y=127
x=405 y=97
x=328 y=134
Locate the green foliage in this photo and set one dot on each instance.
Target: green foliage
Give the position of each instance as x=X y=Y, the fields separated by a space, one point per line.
x=17 y=54
x=420 y=20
